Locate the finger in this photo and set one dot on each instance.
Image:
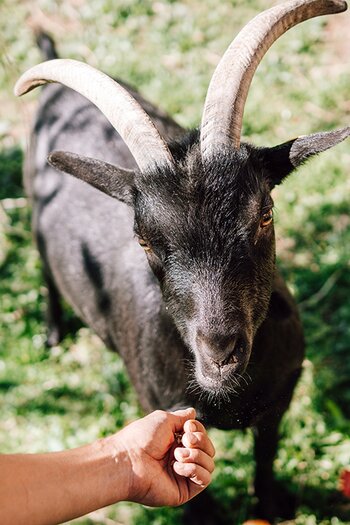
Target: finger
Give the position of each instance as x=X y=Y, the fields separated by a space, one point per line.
x=179 y=417
x=198 y=440
x=185 y=412
x=194 y=455
x=192 y=425
x=195 y=473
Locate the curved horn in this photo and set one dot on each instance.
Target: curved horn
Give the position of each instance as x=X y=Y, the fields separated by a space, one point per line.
x=120 y=108
x=228 y=88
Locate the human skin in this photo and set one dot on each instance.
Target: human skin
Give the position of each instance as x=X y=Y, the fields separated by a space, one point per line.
x=142 y=463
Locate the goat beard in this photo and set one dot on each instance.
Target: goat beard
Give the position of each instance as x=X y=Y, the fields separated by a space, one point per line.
x=220 y=393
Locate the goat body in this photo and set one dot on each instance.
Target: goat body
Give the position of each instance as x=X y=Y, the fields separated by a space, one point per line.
x=104 y=274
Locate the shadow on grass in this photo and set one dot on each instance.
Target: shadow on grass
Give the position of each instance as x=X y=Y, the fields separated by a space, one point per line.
x=11 y=173
x=7 y=384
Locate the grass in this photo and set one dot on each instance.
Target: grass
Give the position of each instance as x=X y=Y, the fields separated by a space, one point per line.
x=79 y=391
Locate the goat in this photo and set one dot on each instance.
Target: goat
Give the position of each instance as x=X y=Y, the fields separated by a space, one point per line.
x=197 y=302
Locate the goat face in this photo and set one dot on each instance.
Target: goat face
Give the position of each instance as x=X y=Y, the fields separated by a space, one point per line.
x=206 y=227
x=208 y=235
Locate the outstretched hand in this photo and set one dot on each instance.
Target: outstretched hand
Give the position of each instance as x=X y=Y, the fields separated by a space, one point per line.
x=164 y=472
x=144 y=463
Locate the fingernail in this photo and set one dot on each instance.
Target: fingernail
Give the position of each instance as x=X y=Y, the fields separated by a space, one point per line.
x=192 y=439
x=184 y=452
x=192 y=426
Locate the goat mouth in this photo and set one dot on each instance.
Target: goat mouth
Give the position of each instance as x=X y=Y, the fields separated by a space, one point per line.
x=223 y=383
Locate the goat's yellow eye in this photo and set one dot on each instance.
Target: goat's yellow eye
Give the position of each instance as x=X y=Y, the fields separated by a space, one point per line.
x=266 y=219
x=144 y=245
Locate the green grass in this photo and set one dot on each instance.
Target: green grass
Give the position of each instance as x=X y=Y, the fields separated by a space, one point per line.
x=79 y=391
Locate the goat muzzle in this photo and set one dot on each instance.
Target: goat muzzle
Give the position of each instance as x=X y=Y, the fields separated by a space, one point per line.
x=218 y=357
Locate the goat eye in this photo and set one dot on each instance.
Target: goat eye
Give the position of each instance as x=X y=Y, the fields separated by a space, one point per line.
x=144 y=245
x=266 y=219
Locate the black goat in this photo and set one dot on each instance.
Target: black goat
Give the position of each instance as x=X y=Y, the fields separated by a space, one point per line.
x=200 y=303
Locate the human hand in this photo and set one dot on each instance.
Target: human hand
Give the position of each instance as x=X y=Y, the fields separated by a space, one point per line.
x=163 y=473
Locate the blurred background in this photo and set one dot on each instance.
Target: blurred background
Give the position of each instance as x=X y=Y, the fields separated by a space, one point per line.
x=78 y=391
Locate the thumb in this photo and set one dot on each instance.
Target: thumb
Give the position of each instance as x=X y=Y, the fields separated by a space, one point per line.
x=179 y=417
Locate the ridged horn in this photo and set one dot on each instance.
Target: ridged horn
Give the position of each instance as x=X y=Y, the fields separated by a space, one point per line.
x=228 y=88
x=119 y=107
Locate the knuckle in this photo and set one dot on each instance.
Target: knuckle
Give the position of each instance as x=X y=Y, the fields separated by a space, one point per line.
x=199 y=436
x=200 y=427
x=211 y=467
x=195 y=455
x=191 y=469
x=212 y=449
x=160 y=414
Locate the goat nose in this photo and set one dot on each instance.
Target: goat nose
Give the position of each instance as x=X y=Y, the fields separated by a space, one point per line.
x=221 y=349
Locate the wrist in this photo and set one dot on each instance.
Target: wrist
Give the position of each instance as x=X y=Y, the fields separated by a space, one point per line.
x=114 y=468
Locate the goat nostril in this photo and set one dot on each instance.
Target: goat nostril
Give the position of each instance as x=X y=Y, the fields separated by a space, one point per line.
x=230 y=360
x=222 y=350
x=235 y=349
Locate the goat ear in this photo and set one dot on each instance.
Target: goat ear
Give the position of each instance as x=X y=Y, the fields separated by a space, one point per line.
x=281 y=160
x=112 y=180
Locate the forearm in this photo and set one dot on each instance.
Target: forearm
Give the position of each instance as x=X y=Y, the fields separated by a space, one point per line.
x=45 y=489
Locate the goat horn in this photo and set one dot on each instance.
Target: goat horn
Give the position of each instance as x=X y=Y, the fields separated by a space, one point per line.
x=120 y=108
x=228 y=88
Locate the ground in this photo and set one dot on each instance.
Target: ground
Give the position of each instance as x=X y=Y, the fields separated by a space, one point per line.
x=79 y=391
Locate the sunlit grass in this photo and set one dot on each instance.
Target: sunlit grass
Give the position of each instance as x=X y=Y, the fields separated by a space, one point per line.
x=74 y=393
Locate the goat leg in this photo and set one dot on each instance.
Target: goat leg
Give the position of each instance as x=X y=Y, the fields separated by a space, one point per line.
x=54 y=313
x=273 y=499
